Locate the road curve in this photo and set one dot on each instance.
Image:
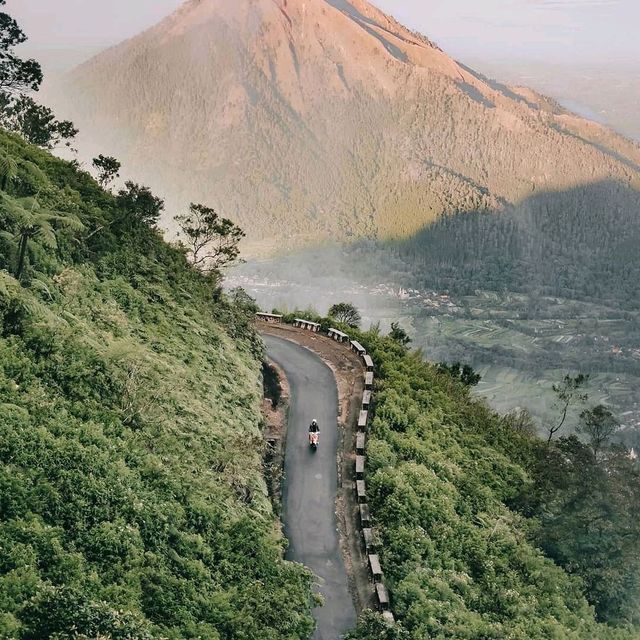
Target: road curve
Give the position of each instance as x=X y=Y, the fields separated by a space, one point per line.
x=311 y=483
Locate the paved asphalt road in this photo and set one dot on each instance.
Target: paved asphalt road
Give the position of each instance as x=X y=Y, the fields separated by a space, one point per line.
x=311 y=483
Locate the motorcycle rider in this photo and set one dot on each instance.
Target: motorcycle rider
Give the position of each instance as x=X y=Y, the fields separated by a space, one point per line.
x=313 y=428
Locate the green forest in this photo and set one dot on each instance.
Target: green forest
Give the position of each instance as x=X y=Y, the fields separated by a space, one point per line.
x=132 y=502
x=486 y=530
x=132 y=499
x=578 y=244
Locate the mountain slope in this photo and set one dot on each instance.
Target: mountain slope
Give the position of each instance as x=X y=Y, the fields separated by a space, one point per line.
x=326 y=118
x=132 y=502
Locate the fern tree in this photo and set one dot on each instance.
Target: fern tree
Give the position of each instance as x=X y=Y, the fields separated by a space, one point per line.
x=8 y=171
x=26 y=221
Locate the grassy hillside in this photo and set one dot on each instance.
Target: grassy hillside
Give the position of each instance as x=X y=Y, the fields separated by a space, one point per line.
x=131 y=498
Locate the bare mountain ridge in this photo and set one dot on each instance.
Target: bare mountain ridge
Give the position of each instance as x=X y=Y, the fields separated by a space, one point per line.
x=312 y=119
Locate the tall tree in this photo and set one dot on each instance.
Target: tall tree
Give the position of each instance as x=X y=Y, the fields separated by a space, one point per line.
x=138 y=206
x=19 y=112
x=28 y=220
x=599 y=425
x=569 y=392
x=347 y=313
x=399 y=334
x=36 y=123
x=213 y=242
x=16 y=75
x=107 y=168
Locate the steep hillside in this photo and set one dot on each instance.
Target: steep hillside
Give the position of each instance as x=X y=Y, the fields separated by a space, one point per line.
x=132 y=503
x=485 y=530
x=326 y=119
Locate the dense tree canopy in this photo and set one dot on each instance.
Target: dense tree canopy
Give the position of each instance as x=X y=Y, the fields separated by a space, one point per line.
x=466 y=501
x=132 y=503
x=138 y=206
x=572 y=244
x=346 y=313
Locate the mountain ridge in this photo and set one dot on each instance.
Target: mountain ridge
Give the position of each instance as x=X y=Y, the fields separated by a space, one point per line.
x=326 y=119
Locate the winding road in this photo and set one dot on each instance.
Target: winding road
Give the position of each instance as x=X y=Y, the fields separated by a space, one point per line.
x=311 y=483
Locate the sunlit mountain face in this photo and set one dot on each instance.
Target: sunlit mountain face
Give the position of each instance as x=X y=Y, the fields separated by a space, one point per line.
x=326 y=120
x=318 y=122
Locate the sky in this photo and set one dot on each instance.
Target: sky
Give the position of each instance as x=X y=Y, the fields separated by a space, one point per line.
x=561 y=47
x=568 y=30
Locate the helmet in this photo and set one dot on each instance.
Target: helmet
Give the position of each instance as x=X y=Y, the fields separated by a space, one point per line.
x=314 y=422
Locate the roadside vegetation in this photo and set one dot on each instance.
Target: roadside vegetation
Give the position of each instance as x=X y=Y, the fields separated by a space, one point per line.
x=132 y=502
x=486 y=530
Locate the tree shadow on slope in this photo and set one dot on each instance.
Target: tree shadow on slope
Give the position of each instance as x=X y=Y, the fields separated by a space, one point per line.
x=581 y=243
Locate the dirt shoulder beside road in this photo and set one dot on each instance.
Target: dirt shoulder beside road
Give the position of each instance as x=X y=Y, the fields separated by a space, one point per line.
x=275 y=411
x=349 y=374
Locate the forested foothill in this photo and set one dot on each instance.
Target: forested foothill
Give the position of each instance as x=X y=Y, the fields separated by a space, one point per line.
x=488 y=531
x=132 y=499
x=132 y=503
x=578 y=244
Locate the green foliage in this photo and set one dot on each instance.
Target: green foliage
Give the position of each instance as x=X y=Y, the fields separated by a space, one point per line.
x=29 y=220
x=212 y=241
x=399 y=334
x=586 y=497
x=138 y=206
x=132 y=503
x=19 y=112
x=568 y=393
x=8 y=170
x=36 y=123
x=373 y=625
x=574 y=244
x=457 y=492
x=599 y=425
x=346 y=313
x=15 y=74
x=107 y=168
x=461 y=373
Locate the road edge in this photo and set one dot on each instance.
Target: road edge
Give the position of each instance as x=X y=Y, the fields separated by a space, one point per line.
x=350 y=401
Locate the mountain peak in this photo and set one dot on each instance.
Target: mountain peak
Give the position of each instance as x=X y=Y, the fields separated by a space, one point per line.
x=334 y=25
x=325 y=118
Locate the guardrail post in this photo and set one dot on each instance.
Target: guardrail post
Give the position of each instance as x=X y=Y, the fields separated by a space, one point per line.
x=361 y=440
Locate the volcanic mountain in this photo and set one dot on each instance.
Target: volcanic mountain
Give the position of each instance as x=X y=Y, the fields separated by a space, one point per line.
x=326 y=119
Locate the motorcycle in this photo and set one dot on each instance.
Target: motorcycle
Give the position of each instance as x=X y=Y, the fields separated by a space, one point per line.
x=314 y=440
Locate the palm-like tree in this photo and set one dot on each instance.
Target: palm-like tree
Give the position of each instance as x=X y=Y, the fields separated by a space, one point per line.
x=33 y=222
x=8 y=170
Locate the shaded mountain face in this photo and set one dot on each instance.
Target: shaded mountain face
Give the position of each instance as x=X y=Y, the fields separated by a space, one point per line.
x=326 y=119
